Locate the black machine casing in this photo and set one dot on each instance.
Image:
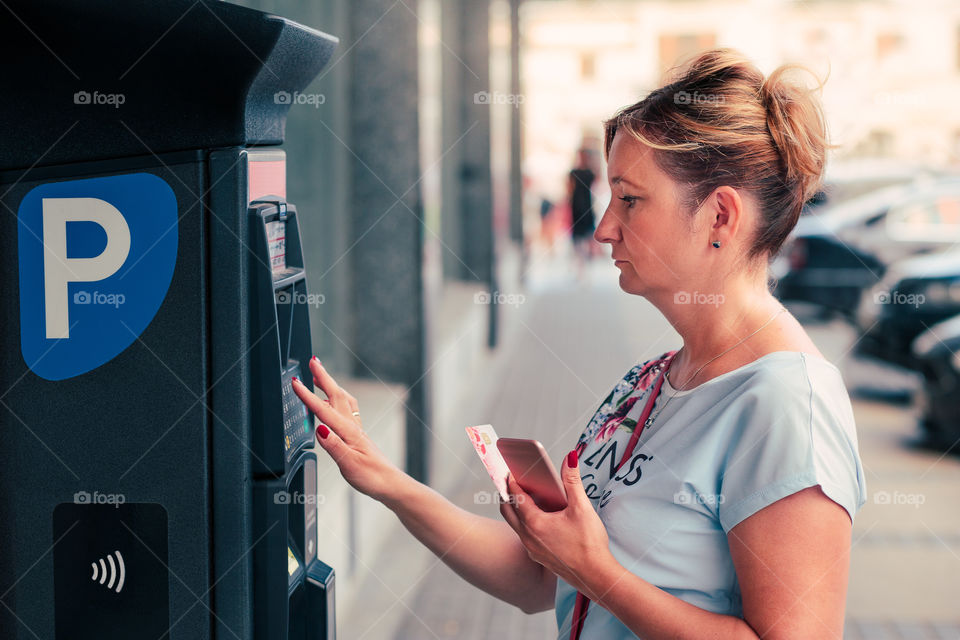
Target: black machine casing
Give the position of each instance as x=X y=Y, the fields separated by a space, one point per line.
x=181 y=466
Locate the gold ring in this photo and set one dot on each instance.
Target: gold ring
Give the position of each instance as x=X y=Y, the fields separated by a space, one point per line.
x=356 y=413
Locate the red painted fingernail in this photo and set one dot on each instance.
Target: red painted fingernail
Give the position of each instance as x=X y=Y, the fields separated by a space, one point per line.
x=296 y=379
x=323 y=430
x=572 y=459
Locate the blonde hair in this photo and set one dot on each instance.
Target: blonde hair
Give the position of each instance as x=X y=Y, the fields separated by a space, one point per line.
x=720 y=122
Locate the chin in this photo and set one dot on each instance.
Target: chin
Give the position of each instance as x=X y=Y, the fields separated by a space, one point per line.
x=630 y=284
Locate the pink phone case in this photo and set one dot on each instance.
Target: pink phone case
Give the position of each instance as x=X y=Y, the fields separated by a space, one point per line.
x=534 y=472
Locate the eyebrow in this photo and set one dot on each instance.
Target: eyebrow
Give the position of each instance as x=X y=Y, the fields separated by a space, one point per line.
x=619 y=179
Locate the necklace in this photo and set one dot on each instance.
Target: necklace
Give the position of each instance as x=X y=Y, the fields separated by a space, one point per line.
x=650 y=420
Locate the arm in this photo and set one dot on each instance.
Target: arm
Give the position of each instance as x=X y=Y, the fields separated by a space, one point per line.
x=484 y=551
x=793 y=563
x=791 y=560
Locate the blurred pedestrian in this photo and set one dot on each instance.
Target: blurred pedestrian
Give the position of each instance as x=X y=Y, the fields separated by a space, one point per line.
x=547 y=233
x=580 y=196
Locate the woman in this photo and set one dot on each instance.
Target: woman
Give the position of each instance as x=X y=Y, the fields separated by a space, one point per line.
x=731 y=516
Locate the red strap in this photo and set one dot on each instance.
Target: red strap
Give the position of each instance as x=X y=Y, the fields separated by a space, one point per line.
x=642 y=421
x=579 y=615
x=583 y=602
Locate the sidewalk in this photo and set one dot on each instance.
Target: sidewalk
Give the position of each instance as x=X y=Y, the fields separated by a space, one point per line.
x=570 y=346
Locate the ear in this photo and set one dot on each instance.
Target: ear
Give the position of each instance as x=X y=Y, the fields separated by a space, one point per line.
x=726 y=213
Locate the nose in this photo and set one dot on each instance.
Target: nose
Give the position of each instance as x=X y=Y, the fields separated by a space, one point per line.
x=607 y=230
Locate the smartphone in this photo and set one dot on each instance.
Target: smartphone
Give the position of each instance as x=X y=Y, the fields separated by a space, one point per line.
x=531 y=468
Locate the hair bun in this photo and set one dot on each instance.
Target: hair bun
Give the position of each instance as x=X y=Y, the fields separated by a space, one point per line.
x=797 y=126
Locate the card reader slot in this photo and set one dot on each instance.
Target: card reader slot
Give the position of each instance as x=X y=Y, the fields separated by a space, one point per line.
x=286 y=356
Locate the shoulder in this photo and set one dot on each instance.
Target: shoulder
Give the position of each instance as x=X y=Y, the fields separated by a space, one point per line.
x=787 y=396
x=793 y=381
x=792 y=427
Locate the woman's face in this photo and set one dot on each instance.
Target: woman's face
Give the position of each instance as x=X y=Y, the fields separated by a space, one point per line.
x=651 y=237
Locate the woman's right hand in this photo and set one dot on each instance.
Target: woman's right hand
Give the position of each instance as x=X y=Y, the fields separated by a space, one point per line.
x=341 y=434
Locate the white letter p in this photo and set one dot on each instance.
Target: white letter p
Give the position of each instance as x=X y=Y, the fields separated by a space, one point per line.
x=58 y=269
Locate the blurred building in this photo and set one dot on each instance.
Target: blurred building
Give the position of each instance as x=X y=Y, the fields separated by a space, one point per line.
x=892 y=68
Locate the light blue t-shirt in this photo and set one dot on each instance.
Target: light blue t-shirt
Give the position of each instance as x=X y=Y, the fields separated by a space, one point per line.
x=715 y=455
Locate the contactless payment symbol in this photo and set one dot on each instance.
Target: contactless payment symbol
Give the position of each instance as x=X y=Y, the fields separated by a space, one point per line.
x=111 y=574
x=96 y=258
x=116 y=570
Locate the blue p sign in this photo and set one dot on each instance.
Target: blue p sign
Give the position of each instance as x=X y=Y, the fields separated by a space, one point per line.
x=96 y=258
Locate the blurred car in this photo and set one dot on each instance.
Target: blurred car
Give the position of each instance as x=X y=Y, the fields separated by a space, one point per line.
x=913 y=295
x=834 y=254
x=848 y=179
x=937 y=352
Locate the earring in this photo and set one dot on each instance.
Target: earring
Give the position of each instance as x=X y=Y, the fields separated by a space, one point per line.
x=716 y=244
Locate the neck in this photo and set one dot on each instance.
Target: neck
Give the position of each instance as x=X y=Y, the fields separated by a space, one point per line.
x=711 y=325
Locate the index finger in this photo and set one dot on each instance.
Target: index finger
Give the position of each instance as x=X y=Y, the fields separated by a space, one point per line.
x=343 y=427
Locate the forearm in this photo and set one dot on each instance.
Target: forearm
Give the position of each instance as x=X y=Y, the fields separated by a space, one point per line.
x=654 y=614
x=486 y=552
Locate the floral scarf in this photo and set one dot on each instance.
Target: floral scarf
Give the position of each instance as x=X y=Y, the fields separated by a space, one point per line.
x=613 y=411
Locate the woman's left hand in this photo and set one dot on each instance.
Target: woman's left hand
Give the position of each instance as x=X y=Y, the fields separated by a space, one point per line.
x=567 y=542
